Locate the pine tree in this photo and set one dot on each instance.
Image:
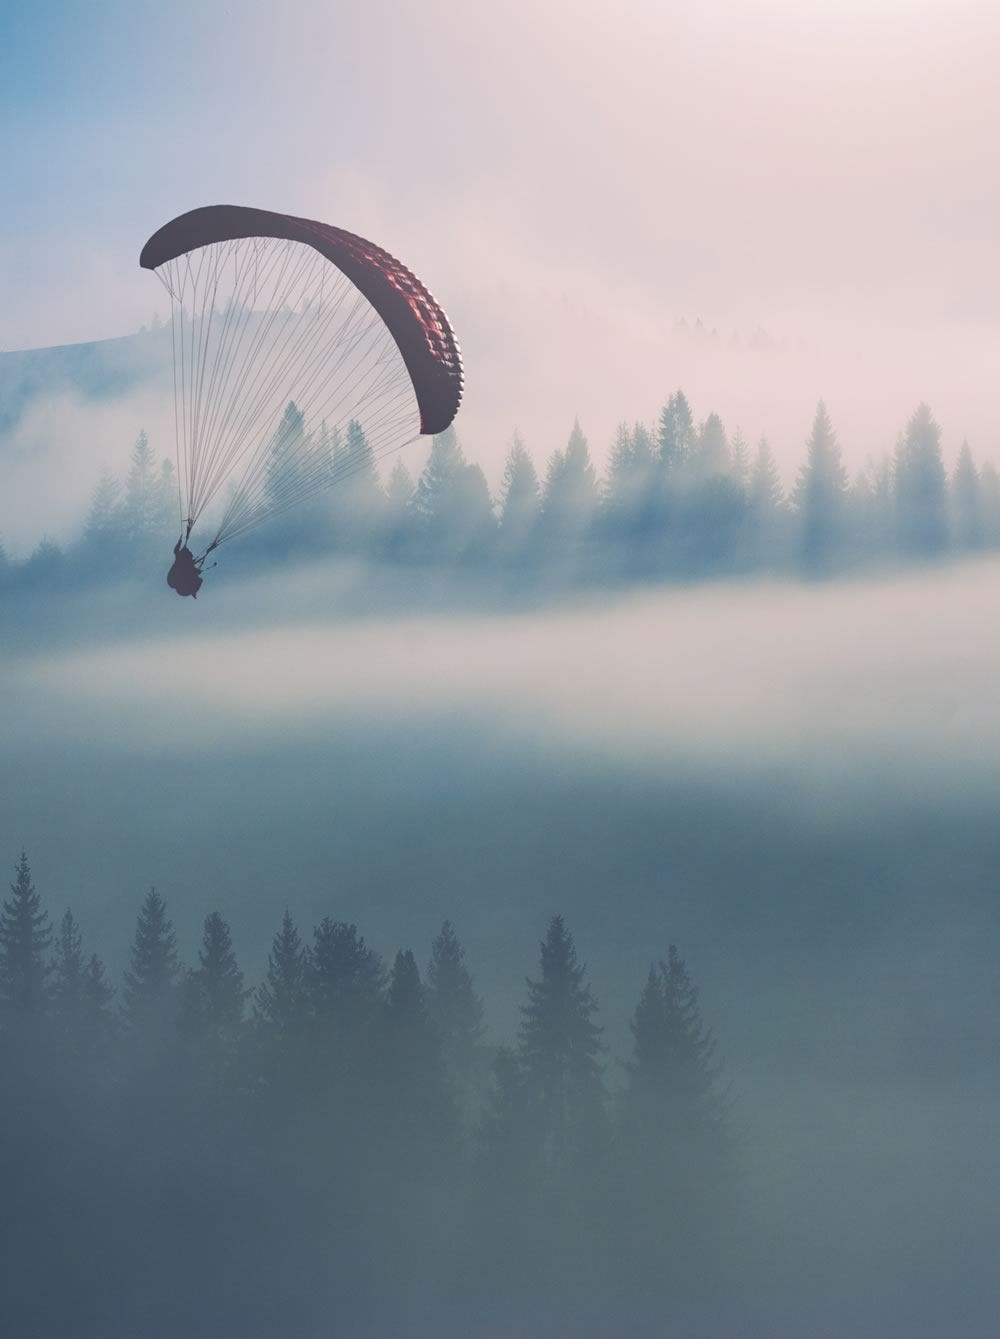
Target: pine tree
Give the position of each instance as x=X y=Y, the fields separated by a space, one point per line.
x=80 y=994
x=164 y=520
x=457 y=1012
x=25 y=938
x=214 y=994
x=400 y=489
x=97 y=995
x=345 y=981
x=285 y=455
x=675 y=433
x=452 y=504
x=965 y=501
x=558 y=1049
x=140 y=492
x=675 y=1150
x=357 y=501
x=820 y=495
x=436 y=485
x=519 y=496
x=104 y=520
x=281 y=1000
x=711 y=455
x=150 y=985
x=69 y=970
x=766 y=495
x=569 y=499
x=989 y=502
x=739 y=467
x=921 y=489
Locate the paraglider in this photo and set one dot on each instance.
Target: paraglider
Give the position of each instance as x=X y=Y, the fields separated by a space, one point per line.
x=266 y=308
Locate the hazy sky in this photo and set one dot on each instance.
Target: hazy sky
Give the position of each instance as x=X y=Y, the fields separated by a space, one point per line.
x=569 y=178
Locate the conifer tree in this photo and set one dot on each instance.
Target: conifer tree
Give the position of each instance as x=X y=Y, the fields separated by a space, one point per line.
x=25 y=938
x=711 y=455
x=921 y=490
x=164 y=520
x=214 y=994
x=739 y=467
x=104 y=520
x=457 y=1012
x=345 y=981
x=281 y=1000
x=140 y=492
x=150 y=984
x=97 y=995
x=558 y=1049
x=820 y=495
x=569 y=499
x=965 y=501
x=766 y=496
x=675 y=433
x=399 y=491
x=285 y=455
x=519 y=496
x=68 y=970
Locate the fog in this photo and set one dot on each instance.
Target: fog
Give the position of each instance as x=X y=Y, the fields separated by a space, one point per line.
x=797 y=784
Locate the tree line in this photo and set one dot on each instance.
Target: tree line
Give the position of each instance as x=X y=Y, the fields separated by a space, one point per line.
x=190 y=1154
x=678 y=498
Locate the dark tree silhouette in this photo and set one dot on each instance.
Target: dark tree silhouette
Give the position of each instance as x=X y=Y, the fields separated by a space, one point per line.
x=25 y=938
x=150 y=985
x=457 y=1012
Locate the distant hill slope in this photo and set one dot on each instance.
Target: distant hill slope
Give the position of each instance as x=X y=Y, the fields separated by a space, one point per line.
x=104 y=369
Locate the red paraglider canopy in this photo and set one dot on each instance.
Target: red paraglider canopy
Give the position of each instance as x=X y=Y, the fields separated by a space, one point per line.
x=416 y=322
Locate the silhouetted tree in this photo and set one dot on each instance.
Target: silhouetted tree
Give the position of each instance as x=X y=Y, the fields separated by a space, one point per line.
x=150 y=984
x=457 y=1012
x=213 y=991
x=281 y=1001
x=25 y=938
x=558 y=1049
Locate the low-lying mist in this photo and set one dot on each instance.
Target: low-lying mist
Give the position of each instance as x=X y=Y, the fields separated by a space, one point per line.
x=798 y=784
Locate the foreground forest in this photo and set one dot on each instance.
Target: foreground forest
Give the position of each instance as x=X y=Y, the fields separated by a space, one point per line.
x=678 y=499
x=191 y=1155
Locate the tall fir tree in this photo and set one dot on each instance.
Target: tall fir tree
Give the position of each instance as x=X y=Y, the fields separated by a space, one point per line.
x=151 y=982
x=280 y=1002
x=820 y=496
x=921 y=487
x=457 y=1012
x=675 y=433
x=519 y=497
x=558 y=1049
x=966 y=510
x=213 y=992
x=25 y=939
x=139 y=507
x=569 y=499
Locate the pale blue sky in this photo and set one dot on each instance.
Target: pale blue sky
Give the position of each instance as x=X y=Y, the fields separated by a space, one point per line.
x=568 y=179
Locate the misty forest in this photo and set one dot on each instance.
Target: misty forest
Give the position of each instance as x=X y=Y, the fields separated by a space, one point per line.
x=678 y=499
x=191 y=1154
